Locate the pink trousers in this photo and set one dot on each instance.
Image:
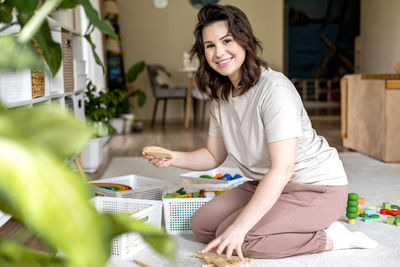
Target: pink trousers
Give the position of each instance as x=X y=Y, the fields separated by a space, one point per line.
x=293 y=226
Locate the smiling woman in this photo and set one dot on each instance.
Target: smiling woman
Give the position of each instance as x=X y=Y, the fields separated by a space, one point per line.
x=258 y=119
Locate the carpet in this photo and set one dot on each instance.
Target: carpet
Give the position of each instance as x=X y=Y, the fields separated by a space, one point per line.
x=372 y=179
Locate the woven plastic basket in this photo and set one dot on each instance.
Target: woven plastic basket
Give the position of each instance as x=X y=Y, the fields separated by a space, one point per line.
x=142 y=187
x=149 y=211
x=179 y=211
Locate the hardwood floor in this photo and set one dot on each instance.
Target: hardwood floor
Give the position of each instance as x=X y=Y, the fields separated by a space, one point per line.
x=173 y=136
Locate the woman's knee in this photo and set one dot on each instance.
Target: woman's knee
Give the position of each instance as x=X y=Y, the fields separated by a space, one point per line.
x=198 y=226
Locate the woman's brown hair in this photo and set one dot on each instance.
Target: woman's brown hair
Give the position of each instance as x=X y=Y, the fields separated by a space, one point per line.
x=240 y=28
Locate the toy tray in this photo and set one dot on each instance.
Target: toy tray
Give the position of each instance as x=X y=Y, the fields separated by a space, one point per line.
x=194 y=177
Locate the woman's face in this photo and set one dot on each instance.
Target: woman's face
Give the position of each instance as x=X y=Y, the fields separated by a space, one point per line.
x=222 y=52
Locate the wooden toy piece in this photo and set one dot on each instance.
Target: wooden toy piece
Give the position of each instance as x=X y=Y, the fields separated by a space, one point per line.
x=361 y=201
x=141 y=263
x=352 y=206
x=351 y=221
x=367 y=219
x=215 y=260
x=372 y=207
x=370 y=211
x=397 y=222
x=374 y=216
x=386 y=205
x=390 y=220
x=159 y=154
x=360 y=211
x=394 y=207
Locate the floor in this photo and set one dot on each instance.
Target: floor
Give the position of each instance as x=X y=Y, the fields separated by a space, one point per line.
x=172 y=136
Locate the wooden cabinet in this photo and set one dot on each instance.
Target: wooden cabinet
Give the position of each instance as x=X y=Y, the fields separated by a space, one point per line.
x=370 y=114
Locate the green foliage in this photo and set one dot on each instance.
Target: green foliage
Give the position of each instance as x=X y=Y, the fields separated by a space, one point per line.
x=51 y=200
x=95 y=106
x=115 y=101
x=135 y=94
x=23 y=55
x=134 y=71
x=31 y=16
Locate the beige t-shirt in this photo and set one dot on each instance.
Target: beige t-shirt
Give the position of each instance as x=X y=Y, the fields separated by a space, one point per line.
x=272 y=111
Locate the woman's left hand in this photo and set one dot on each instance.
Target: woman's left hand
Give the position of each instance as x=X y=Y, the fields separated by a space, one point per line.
x=231 y=239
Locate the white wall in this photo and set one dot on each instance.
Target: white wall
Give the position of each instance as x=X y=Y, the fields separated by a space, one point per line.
x=162 y=35
x=380 y=35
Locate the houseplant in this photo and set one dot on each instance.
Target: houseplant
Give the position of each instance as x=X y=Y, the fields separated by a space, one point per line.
x=136 y=96
x=33 y=171
x=36 y=186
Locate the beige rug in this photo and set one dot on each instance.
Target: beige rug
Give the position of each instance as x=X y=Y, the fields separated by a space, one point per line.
x=374 y=180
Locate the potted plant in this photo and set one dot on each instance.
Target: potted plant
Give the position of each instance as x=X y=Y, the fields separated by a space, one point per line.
x=97 y=115
x=33 y=171
x=136 y=96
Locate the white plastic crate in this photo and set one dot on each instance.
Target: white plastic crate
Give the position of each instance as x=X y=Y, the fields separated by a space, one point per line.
x=142 y=187
x=148 y=211
x=15 y=86
x=179 y=211
x=194 y=177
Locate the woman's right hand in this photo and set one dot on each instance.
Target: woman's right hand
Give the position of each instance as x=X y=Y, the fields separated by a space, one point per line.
x=157 y=162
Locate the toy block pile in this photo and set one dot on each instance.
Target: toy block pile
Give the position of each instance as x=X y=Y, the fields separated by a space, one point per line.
x=181 y=193
x=391 y=210
x=367 y=215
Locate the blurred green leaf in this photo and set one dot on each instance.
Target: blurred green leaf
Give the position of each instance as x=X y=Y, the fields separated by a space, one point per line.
x=134 y=71
x=17 y=56
x=47 y=127
x=96 y=57
x=67 y=4
x=53 y=203
x=156 y=237
x=26 y=9
x=51 y=50
x=13 y=254
x=6 y=11
x=94 y=19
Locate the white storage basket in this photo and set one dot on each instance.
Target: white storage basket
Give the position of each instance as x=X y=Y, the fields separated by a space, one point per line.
x=148 y=211
x=194 y=177
x=142 y=187
x=179 y=211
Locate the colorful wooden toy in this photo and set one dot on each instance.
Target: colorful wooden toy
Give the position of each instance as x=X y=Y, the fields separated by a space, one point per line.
x=352 y=206
x=390 y=220
x=361 y=201
x=386 y=205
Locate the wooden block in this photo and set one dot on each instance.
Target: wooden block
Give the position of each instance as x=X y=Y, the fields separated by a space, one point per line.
x=159 y=154
x=360 y=211
x=351 y=221
x=361 y=201
x=390 y=220
x=372 y=207
x=386 y=205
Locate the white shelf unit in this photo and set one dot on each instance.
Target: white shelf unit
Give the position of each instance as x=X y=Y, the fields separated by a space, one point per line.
x=16 y=88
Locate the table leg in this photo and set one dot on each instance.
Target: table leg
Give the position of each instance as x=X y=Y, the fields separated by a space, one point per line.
x=188 y=100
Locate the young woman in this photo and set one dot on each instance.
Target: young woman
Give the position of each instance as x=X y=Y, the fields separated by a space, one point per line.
x=299 y=186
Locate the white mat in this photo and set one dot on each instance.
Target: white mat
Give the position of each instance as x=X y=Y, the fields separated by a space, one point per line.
x=376 y=181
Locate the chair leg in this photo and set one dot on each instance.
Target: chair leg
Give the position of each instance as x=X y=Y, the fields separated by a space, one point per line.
x=203 y=113
x=153 y=120
x=164 y=112
x=194 y=100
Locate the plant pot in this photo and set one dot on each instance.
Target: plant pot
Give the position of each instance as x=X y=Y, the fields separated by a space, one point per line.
x=118 y=125
x=128 y=122
x=137 y=126
x=92 y=156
